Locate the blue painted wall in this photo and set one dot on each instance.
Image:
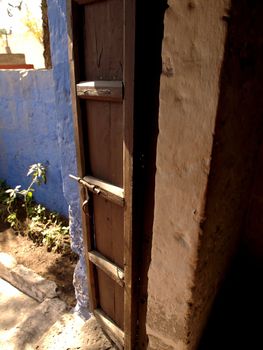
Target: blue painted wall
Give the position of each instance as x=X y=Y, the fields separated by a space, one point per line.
x=36 y=125
x=36 y=120
x=57 y=15
x=29 y=133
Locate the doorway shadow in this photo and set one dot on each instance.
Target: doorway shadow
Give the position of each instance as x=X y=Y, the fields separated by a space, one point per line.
x=148 y=67
x=239 y=130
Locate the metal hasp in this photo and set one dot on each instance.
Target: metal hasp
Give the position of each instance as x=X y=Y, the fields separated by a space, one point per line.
x=110 y=192
x=101 y=90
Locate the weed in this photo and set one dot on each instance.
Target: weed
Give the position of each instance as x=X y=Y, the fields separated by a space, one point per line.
x=27 y=217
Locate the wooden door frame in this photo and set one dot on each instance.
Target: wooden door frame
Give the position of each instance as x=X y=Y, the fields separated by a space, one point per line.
x=130 y=309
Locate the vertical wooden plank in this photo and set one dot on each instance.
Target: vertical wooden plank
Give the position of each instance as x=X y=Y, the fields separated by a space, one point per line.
x=111 y=298
x=116 y=142
x=103 y=40
x=77 y=121
x=129 y=267
x=106 y=293
x=105 y=135
x=119 y=306
x=104 y=120
x=108 y=220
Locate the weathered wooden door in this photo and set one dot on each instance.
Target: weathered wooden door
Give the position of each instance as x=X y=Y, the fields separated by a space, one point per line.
x=102 y=64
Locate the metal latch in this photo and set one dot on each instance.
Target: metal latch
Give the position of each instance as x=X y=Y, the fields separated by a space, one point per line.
x=107 y=191
x=92 y=188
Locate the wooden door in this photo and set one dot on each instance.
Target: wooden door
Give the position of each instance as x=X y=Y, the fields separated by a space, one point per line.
x=102 y=73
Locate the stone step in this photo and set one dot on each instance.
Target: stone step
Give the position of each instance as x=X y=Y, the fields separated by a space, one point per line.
x=25 y=279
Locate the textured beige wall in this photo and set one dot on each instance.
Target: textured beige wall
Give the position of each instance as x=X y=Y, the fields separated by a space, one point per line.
x=193 y=49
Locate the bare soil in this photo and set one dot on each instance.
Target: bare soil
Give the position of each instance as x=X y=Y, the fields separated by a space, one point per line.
x=53 y=266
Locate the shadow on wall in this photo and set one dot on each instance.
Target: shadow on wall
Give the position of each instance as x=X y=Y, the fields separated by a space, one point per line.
x=239 y=129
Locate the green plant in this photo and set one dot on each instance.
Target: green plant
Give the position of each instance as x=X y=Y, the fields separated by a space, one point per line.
x=48 y=228
x=56 y=237
x=13 y=221
x=40 y=225
x=38 y=174
x=37 y=213
x=7 y=200
x=10 y=202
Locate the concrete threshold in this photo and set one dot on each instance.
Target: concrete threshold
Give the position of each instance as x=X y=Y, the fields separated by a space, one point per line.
x=23 y=320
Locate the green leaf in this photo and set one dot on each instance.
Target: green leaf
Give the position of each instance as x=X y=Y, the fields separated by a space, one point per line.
x=29 y=194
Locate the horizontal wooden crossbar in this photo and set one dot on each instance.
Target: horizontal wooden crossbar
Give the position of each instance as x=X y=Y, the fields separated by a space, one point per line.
x=101 y=90
x=112 y=193
x=111 y=269
x=101 y=188
x=111 y=328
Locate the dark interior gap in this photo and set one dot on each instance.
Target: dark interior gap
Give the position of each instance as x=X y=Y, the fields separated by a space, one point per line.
x=236 y=161
x=148 y=67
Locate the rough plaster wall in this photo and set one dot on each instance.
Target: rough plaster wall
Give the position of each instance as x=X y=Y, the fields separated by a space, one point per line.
x=193 y=48
x=238 y=133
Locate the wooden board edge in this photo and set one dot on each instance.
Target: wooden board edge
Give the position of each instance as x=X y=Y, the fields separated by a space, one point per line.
x=86 y=2
x=115 y=333
x=130 y=306
x=111 y=269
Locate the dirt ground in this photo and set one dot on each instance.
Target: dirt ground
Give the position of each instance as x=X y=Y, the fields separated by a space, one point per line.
x=53 y=266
